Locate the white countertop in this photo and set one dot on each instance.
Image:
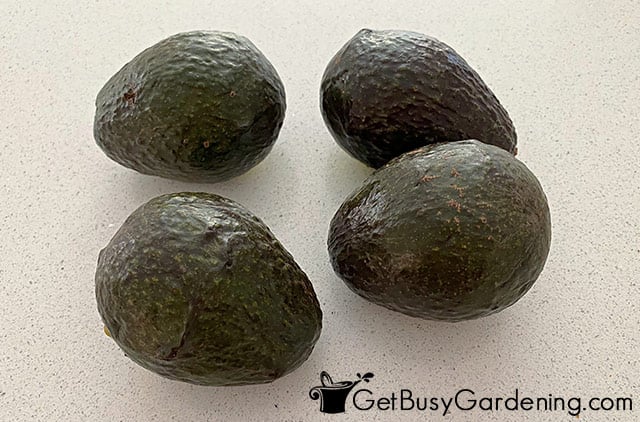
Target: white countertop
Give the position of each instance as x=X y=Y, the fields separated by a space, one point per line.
x=566 y=71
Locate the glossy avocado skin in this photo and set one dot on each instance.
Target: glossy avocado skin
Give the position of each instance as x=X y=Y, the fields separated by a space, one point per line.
x=197 y=289
x=201 y=106
x=389 y=92
x=452 y=232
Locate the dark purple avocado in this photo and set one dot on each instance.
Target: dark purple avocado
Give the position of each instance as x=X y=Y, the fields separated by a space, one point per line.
x=451 y=232
x=389 y=92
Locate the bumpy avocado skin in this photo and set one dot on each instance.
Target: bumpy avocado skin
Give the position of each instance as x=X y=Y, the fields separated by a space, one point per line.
x=197 y=289
x=201 y=106
x=389 y=92
x=452 y=232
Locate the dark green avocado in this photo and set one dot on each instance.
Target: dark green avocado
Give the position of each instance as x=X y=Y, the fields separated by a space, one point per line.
x=201 y=106
x=452 y=231
x=389 y=92
x=197 y=289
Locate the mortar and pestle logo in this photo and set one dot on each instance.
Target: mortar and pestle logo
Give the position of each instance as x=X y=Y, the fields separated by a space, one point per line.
x=333 y=395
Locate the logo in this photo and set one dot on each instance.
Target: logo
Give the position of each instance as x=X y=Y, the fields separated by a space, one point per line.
x=333 y=395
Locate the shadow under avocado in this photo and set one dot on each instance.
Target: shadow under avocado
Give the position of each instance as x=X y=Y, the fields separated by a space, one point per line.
x=409 y=338
x=246 y=189
x=245 y=402
x=343 y=172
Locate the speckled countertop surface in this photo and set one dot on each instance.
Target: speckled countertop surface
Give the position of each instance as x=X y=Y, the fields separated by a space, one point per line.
x=567 y=72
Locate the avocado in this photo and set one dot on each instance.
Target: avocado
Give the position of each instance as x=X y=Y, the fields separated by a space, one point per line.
x=196 y=288
x=389 y=92
x=200 y=106
x=450 y=231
